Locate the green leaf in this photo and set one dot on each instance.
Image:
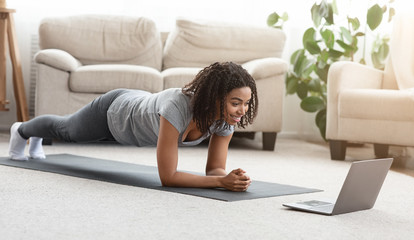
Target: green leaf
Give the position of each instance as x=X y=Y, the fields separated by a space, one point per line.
x=329 y=17
x=374 y=16
x=272 y=19
x=324 y=9
x=359 y=34
x=354 y=22
x=354 y=43
x=296 y=55
x=312 y=104
x=291 y=84
x=324 y=56
x=345 y=32
x=302 y=65
x=320 y=121
x=335 y=54
x=345 y=46
x=308 y=36
x=384 y=50
x=308 y=68
x=316 y=17
x=391 y=14
x=312 y=47
x=323 y=73
x=378 y=57
x=314 y=85
x=309 y=42
x=328 y=37
x=302 y=90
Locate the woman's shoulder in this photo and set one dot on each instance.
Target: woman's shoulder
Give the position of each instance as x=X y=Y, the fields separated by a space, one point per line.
x=222 y=128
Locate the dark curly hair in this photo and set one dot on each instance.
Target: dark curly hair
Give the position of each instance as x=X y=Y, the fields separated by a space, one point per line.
x=214 y=83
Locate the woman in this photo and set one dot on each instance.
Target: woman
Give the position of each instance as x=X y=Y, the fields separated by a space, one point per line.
x=221 y=96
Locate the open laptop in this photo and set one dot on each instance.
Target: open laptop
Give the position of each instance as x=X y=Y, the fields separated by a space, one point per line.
x=359 y=191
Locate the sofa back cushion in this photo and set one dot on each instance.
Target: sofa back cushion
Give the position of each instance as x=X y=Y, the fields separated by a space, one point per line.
x=102 y=39
x=200 y=43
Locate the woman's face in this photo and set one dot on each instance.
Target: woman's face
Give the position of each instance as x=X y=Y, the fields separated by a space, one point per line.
x=237 y=104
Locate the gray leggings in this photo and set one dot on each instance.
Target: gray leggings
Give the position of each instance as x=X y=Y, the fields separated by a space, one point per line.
x=86 y=125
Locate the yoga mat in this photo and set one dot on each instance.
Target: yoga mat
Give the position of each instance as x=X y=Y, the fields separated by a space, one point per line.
x=144 y=176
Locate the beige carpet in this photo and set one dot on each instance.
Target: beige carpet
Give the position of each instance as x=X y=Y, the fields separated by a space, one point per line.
x=39 y=205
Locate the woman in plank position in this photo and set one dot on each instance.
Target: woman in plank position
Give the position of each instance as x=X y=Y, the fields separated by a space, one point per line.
x=221 y=96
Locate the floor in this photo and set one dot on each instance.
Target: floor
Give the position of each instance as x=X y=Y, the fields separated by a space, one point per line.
x=39 y=205
x=403 y=162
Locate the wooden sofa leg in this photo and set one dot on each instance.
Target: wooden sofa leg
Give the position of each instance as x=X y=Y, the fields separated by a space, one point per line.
x=269 y=140
x=381 y=150
x=338 y=149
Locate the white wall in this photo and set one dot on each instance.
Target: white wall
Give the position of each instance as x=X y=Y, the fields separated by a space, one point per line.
x=164 y=12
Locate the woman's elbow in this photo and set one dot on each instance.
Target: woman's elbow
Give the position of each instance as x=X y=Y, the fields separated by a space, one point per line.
x=167 y=181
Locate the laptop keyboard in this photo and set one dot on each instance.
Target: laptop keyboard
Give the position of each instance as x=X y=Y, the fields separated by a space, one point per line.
x=319 y=206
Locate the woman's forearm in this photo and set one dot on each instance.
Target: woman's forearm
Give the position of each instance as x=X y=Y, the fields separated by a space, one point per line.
x=182 y=179
x=216 y=172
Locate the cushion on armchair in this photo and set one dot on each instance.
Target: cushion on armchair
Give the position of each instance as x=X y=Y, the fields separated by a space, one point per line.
x=200 y=43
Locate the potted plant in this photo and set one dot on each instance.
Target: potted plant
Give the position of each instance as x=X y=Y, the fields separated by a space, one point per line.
x=325 y=43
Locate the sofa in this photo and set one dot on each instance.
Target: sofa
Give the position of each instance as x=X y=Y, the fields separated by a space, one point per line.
x=367 y=105
x=84 y=56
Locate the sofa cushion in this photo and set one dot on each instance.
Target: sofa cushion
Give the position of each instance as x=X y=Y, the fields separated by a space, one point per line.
x=266 y=67
x=96 y=39
x=392 y=105
x=103 y=78
x=200 y=43
x=178 y=77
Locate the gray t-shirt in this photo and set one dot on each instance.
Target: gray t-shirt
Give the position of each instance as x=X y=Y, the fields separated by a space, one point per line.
x=134 y=117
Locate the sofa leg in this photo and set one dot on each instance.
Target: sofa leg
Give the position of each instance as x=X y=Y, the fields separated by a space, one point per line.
x=381 y=150
x=248 y=135
x=338 y=149
x=269 y=140
x=47 y=141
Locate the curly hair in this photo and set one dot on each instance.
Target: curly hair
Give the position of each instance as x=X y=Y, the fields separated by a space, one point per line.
x=212 y=84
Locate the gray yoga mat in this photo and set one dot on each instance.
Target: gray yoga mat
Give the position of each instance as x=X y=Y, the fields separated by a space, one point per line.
x=144 y=176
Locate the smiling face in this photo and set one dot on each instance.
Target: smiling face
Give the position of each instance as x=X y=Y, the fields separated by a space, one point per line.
x=237 y=104
x=222 y=92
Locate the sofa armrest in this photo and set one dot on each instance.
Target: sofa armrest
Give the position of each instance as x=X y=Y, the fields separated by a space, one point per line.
x=266 y=67
x=57 y=59
x=347 y=75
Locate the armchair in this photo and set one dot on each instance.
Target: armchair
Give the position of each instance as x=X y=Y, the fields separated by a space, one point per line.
x=372 y=106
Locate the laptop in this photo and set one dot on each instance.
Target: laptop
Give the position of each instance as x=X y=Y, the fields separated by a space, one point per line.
x=359 y=191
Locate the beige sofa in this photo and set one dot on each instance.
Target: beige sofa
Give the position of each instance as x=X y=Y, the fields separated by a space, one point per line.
x=372 y=106
x=84 y=56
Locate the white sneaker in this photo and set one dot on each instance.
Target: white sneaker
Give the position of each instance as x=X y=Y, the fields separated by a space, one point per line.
x=17 y=144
